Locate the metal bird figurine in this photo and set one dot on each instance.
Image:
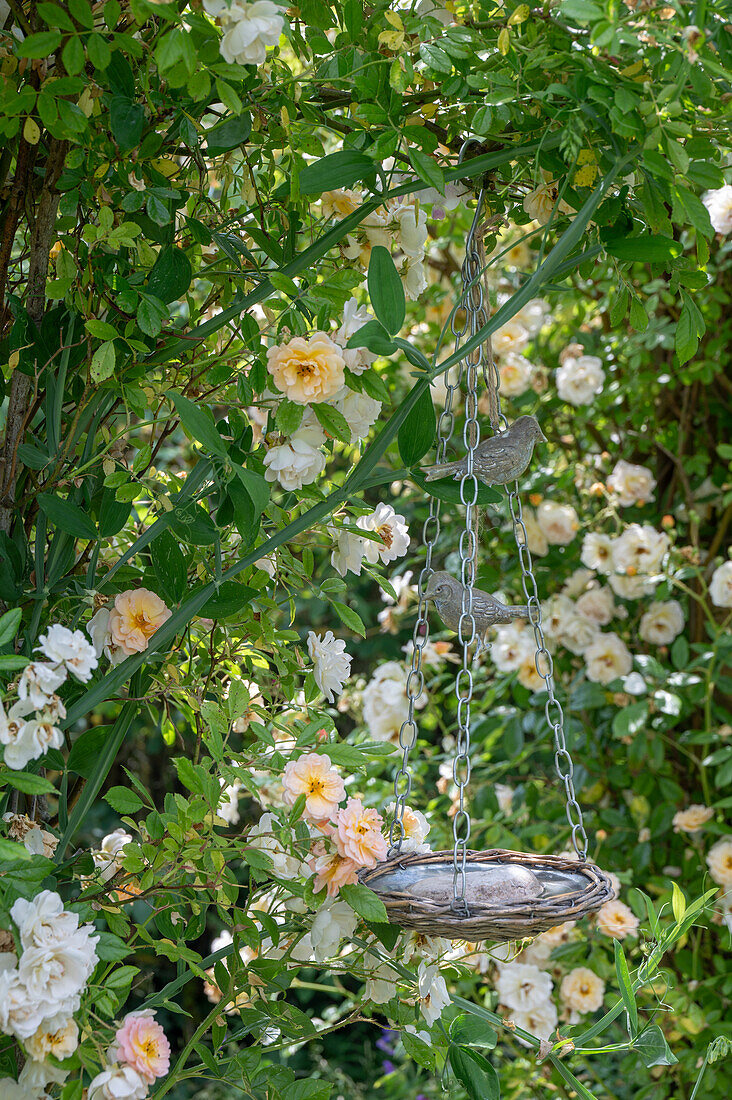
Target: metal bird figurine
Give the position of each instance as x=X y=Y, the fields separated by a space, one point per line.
x=447 y=595
x=497 y=460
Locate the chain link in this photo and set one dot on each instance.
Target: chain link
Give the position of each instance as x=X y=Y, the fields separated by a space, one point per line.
x=420 y=635
x=563 y=764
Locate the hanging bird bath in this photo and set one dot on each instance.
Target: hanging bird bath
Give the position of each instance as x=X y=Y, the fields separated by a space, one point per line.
x=465 y=894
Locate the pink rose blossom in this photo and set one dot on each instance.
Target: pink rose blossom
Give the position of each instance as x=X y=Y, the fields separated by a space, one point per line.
x=359 y=837
x=142 y=1044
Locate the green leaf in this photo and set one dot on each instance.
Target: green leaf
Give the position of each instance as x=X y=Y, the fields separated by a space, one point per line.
x=190 y=776
x=29 y=782
x=123 y=800
x=171 y=275
x=648 y=247
x=630 y=720
x=11 y=851
x=12 y=662
x=288 y=416
x=170 y=568
x=427 y=169
x=341 y=169
x=55 y=16
x=198 y=422
x=333 y=422
x=86 y=749
x=678 y=902
x=686 y=338
x=98 y=51
x=437 y=59
x=103 y=362
x=37 y=46
x=256 y=487
x=72 y=56
x=373 y=336
x=447 y=489
x=471 y=1031
x=364 y=902
x=111 y=948
x=229 y=134
x=126 y=120
x=67 y=516
x=349 y=617
x=475 y=1073
x=82 y=12
x=229 y=600
x=9 y=623
x=386 y=290
x=626 y=987
x=652 y=1047
x=417 y=433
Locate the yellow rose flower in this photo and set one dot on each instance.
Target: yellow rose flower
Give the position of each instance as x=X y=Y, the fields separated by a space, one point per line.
x=307 y=371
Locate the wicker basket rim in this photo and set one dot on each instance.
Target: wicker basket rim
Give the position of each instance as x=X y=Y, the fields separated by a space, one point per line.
x=598 y=883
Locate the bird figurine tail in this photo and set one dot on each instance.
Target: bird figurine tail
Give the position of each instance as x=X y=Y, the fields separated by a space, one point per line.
x=442 y=469
x=520 y=611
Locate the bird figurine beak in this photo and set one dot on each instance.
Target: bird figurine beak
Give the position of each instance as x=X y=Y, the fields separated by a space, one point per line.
x=543 y=437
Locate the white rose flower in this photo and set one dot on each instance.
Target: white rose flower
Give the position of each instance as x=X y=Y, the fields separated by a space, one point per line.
x=332 y=665
x=533 y=315
x=107 y=858
x=361 y=412
x=720 y=588
x=57 y=1035
x=118 y=1082
x=381 y=984
x=719 y=861
x=631 y=484
x=504 y=797
x=21 y=1014
x=719 y=205
x=348 y=553
x=32 y=739
x=56 y=975
x=537 y=540
x=597 y=605
x=228 y=807
x=597 y=552
x=640 y=549
x=99 y=631
x=632 y=588
x=392 y=532
x=554 y=613
x=515 y=374
x=577 y=633
x=513 y=644
x=262 y=837
x=298 y=461
x=354 y=318
x=59 y=645
x=607 y=658
x=540 y=202
x=384 y=701
x=540 y=1021
x=412 y=232
x=433 y=995
x=34 y=1079
x=577 y=582
x=39 y=681
x=414 y=278
x=334 y=921
x=12 y=726
x=662 y=622
x=415 y=826
x=579 y=379
x=559 y=522
x=521 y=986
x=511 y=337
x=248 y=29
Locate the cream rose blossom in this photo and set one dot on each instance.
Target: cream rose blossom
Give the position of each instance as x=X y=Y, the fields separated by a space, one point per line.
x=559 y=522
x=631 y=484
x=719 y=861
x=579 y=379
x=331 y=663
x=692 y=819
x=616 y=919
x=359 y=837
x=662 y=622
x=307 y=371
x=607 y=658
x=582 y=990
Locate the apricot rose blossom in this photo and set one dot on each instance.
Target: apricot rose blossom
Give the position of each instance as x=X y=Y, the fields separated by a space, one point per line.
x=313 y=776
x=307 y=371
x=359 y=837
x=142 y=1044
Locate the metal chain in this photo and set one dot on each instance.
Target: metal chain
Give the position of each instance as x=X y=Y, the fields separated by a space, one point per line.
x=475 y=315
x=563 y=764
x=420 y=635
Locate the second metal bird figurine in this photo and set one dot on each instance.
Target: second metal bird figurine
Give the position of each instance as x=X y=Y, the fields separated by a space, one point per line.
x=447 y=595
x=498 y=459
